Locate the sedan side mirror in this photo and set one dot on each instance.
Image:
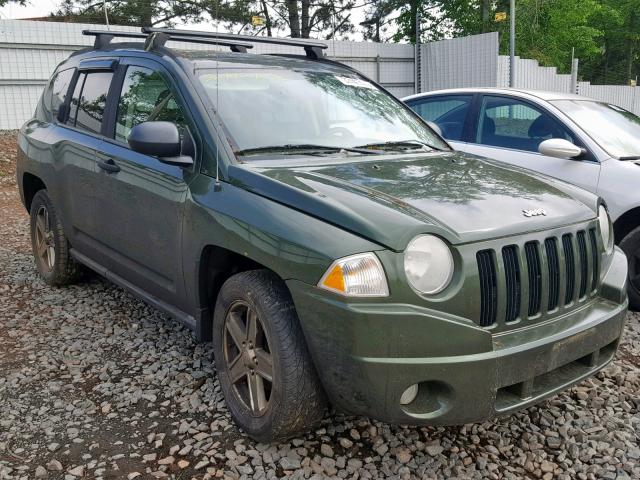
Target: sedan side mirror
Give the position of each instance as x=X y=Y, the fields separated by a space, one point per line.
x=159 y=139
x=560 y=148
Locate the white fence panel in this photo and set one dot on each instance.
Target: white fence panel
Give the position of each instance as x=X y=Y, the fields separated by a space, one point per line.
x=621 y=95
x=460 y=62
x=30 y=51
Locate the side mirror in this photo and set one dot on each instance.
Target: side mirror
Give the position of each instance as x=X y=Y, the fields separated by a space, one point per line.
x=559 y=148
x=159 y=139
x=434 y=126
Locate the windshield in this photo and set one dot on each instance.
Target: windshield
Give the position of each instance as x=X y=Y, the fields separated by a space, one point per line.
x=266 y=108
x=616 y=130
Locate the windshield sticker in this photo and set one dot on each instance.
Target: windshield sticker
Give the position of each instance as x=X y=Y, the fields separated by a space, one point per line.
x=354 y=82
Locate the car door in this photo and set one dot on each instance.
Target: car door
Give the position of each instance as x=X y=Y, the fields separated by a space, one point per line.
x=449 y=112
x=73 y=143
x=510 y=129
x=140 y=199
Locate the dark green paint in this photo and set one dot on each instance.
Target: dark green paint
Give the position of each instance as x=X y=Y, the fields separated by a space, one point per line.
x=149 y=225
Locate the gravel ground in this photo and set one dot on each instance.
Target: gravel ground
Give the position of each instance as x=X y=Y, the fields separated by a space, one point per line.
x=95 y=384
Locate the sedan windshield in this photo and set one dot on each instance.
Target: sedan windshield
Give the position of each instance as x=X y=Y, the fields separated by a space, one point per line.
x=616 y=130
x=267 y=110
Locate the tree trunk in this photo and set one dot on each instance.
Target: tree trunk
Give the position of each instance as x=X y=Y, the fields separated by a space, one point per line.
x=485 y=12
x=294 y=18
x=146 y=13
x=306 y=28
x=630 y=49
x=267 y=18
x=413 y=15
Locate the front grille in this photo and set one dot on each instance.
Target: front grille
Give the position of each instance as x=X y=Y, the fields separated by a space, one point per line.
x=488 y=287
x=569 y=268
x=582 y=253
x=595 y=272
x=553 y=266
x=537 y=277
x=512 y=277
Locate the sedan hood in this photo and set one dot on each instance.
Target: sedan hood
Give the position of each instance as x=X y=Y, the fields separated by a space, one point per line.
x=390 y=200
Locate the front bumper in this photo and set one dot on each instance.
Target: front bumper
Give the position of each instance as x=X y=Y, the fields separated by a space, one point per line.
x=368 y=354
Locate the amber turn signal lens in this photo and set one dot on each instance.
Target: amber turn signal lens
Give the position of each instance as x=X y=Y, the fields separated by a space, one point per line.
x=334 y=280
x=359 y=275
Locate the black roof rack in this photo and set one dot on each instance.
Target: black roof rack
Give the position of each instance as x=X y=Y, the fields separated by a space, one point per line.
x=158 y=39
x=313 y=49
x=104 y=37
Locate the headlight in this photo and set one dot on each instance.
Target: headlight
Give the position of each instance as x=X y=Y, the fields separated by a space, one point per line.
x=359 y=275
x=428 y=264
x=606 y=230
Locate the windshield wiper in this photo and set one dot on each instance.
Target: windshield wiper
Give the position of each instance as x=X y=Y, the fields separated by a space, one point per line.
x=630 y=157
x=304 y=147
x=401 y=144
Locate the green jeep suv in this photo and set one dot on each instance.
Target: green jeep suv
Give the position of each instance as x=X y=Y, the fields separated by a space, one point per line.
x=331 y=245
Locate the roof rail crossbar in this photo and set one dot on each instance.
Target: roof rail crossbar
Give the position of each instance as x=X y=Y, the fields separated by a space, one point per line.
x=158 y=39
x=313 y=49
x=104 y=37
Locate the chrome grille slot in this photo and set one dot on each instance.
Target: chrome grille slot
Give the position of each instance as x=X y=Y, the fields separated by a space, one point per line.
x=512 y=277
x=569 y=268
x=488 y=287
x=535 y=277
x=553 y=266
x=595 y=266
x=582 y=255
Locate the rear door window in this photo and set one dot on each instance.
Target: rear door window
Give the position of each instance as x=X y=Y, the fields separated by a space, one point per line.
x=448 y=112
x=92 y=101
x=75 y=100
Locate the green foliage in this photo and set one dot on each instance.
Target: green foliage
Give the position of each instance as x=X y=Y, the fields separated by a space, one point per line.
x=6 y=2
x=604 y=33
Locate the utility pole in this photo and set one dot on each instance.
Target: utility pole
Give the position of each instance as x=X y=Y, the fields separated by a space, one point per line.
x=574 y=72
x=106 y=17
x=512 y=43
x=417 y=58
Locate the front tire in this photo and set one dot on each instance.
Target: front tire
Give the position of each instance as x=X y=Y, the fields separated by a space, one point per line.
x=265 y=371
x=630 y=245
x=49 y=243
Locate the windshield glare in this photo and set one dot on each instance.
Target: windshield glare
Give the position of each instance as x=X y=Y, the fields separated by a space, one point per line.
x=616 y=130
x=264 y=107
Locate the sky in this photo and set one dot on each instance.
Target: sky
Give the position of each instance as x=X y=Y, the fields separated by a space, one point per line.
x=40 y=8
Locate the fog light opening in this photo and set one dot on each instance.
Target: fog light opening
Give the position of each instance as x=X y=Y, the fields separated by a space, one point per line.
x=409 y=395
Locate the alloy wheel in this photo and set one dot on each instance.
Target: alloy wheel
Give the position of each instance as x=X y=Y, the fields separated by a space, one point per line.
x=44 y=244
x=248 y=357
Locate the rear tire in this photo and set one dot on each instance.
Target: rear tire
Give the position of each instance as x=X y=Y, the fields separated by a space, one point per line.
x=257 y=337
x=49 y=243
x=630 y=244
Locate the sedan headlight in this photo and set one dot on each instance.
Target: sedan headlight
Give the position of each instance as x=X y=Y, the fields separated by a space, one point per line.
x=358 y=275
x=606 y=229
x=428 y=264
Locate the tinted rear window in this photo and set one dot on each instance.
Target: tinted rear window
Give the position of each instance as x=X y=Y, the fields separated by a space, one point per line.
x=59 y=88
x=93 y=101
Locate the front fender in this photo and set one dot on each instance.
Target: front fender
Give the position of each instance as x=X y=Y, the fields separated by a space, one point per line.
x=292 y=244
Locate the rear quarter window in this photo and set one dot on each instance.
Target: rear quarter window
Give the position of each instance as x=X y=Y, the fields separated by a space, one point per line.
x=54 y=94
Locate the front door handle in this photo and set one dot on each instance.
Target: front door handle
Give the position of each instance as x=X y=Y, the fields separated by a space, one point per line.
x=108 y=165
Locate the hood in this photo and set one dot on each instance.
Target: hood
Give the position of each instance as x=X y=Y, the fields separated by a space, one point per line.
x=390 y=200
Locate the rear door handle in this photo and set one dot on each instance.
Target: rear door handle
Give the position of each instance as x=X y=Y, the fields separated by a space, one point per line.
x=108 y=165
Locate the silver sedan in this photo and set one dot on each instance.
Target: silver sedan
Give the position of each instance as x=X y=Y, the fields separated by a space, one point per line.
x=592 y=144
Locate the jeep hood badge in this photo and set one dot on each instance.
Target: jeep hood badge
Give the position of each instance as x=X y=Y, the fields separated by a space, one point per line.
x=535 y=212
